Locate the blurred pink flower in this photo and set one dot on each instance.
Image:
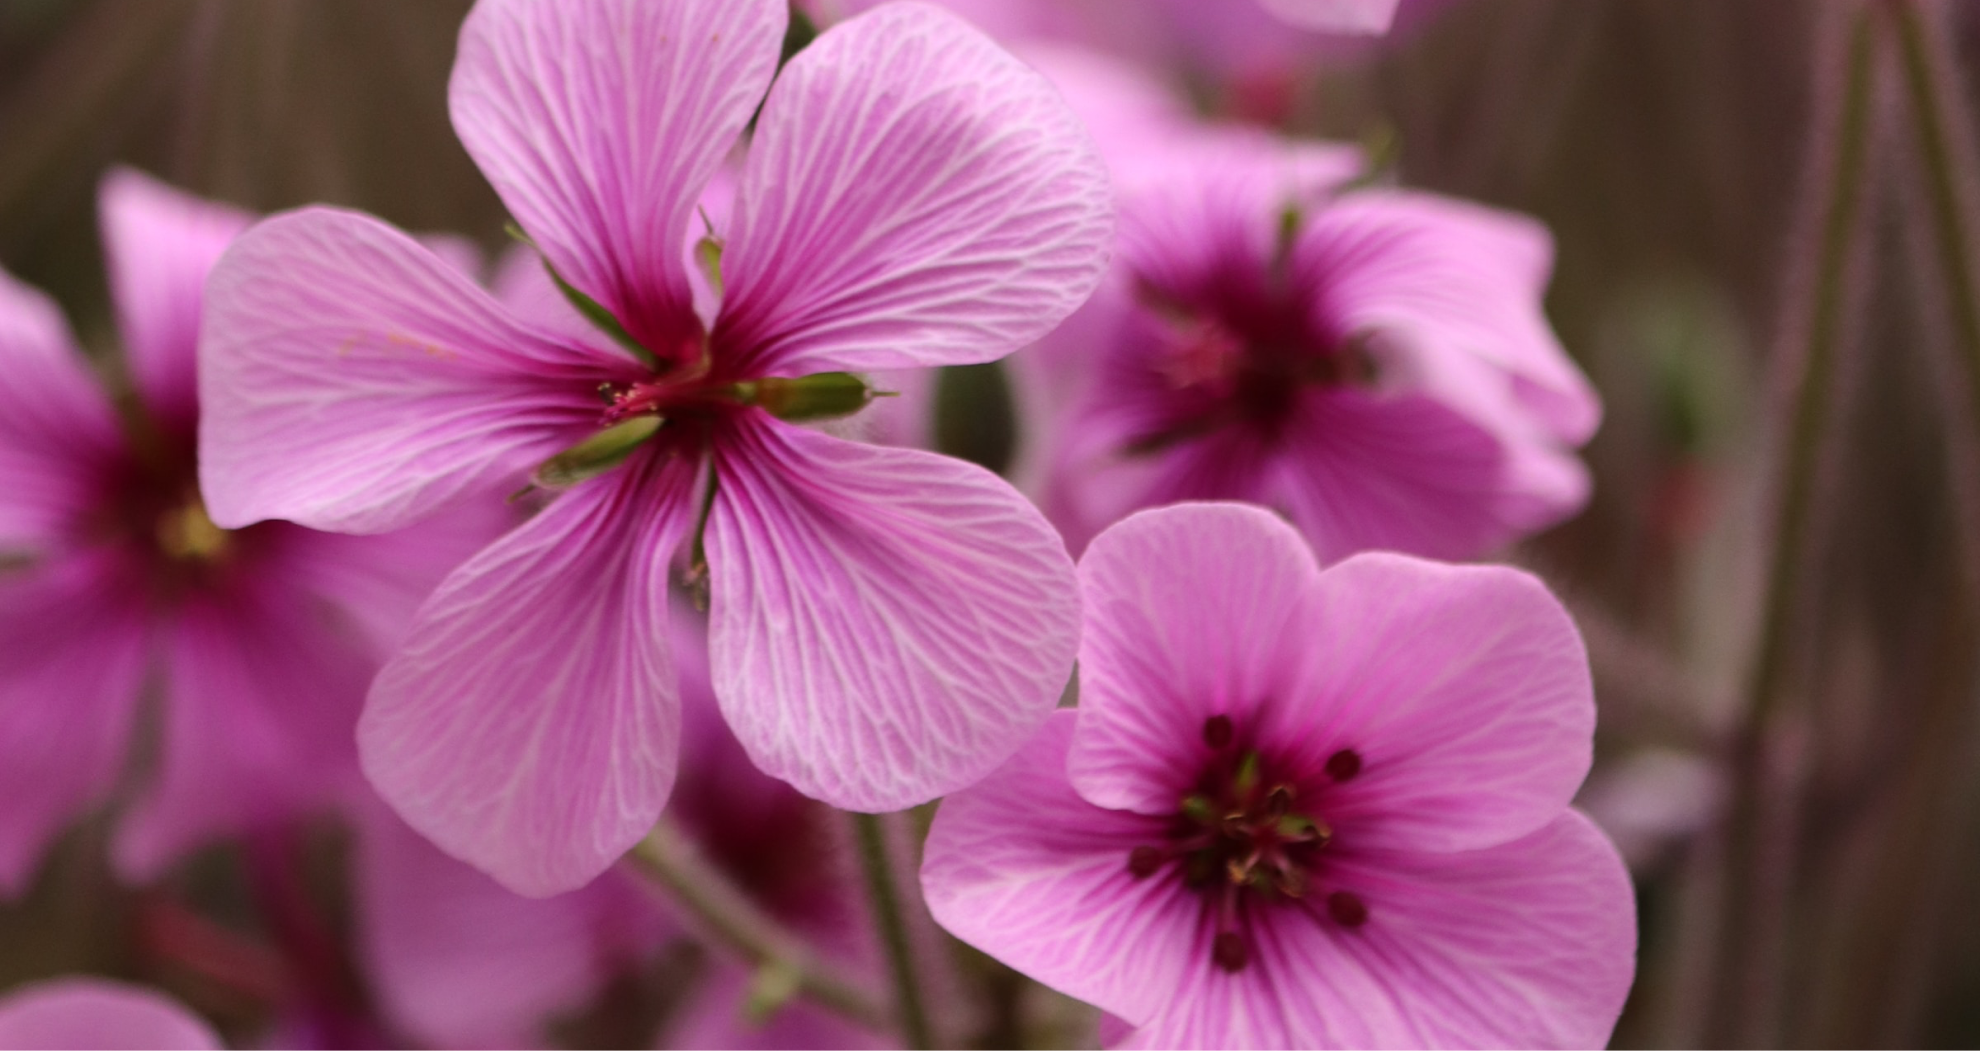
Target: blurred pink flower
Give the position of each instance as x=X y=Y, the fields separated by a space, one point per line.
x=888 y=625
x=1375 y=364
x=1298 y=808
x=259 y=641
x=82 y=1013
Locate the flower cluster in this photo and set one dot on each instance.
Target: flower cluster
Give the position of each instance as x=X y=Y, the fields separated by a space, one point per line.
x=1297 y=794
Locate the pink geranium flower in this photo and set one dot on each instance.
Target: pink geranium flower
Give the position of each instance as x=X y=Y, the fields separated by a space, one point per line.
x=1374 y=364
x=87 y=1013
x=1298 y=808
x=887 y=625
x=258 y=642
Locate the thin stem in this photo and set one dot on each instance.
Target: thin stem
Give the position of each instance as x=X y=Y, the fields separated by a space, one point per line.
x=885 y=898
x=1744 y=1004
x=727 y=914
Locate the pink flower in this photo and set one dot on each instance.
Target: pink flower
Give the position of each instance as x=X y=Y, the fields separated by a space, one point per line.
x=887 y=625
x=1298 y=808
x=260 y=641
x=1374 y=364
x=93 y=1013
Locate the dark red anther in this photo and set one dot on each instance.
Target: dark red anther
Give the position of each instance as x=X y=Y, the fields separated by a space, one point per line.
x=1230 y=951
x=1143 y=861
x=1218 y=732
x=1344 y=764
x=1347 y=908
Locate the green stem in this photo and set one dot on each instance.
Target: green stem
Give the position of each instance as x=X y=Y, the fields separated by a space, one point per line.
x=1751 y=896
x=885 y=898
x=727 y=914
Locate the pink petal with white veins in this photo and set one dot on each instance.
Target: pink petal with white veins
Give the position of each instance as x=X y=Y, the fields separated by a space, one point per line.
x=261 y=696
x=71 y=660
x=1023 y=868
x=531 y=724
x=1465 y=690
x=1337 y=16
x=914 y=196
x=352 y=380
x=1188 y=609
x=887 y=625
x=1530 y=943
x=93 y=1013
x=159 y=244
x=599 y=122
x=55 y=422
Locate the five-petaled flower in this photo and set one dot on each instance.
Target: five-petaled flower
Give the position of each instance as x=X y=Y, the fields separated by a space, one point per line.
x=1298 y=808
x=887 y=625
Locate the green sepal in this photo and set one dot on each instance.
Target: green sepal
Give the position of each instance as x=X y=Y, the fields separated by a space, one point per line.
x=708 y=255
x=770 y=988
x=593 y=310
x=597 y=454
x=819 y=396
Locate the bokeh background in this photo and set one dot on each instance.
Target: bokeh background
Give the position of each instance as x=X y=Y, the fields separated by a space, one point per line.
x=1678 y=149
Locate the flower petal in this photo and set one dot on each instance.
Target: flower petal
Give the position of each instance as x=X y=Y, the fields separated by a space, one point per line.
x=1023 y=868
x=887 y=625
x=93 y=1013
x=1187 y=613
x=717 y=1016
x=261 y=696
x=1337 y=16
x=159 y=244
x=530 y=726
x=599 y=122
x=55 y=422
x=1527 y=944
x=1465 y=690
x=71 y=660
x=459 y=961
x=352 y=380
x=914 y=196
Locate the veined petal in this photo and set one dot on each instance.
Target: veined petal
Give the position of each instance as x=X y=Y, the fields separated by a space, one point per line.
x=887 y=625
x=1337 y=16
x=159 y=244
x=71 y=660
x=1464 y=689
x=261 y=695
x=1188 y=609
x=1022 y=867
x=94 y=1013
x=531 y=724
x=55 y=422
x=914 y=196
x=599 y=122
x=352 y=380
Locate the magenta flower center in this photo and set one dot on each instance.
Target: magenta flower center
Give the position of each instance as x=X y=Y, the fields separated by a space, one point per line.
x=1249 y=839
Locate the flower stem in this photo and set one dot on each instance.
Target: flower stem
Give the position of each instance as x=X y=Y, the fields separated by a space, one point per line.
x=885 y=899
x=670 y=860
x=1752 y=892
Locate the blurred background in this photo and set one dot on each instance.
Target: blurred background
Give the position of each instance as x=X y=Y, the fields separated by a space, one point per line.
x=1807 y=863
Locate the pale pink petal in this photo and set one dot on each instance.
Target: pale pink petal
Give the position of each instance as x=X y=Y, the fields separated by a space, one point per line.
x=714 y=1017
x=459 y=961
x=1337 y=16
x=56 y=425
x=95 y=1013
x=914 y=196
x=159 y=244
x=1464 y=689
x=71 y=659
x=1188 y=610
x=1527 y=944
x=1419 y=268
x=887 y=625
x=599 y=122
x=261 y=689
x=352 y=380
x=531 y=724
x=1021 y=867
